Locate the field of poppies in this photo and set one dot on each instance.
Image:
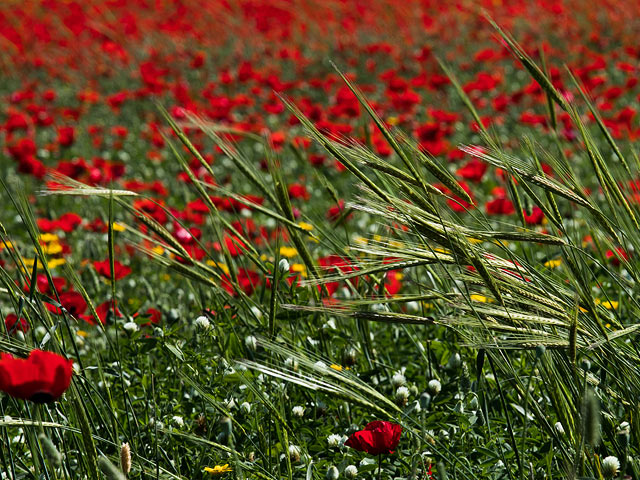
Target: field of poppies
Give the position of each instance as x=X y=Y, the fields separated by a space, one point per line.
x=272 y=239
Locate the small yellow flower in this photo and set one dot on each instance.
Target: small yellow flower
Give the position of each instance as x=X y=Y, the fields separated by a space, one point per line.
x=480 y=298
x=299 y=268
x=56 y=262
x=158 y=250
x=52 y=248
x=305 y=226
x=609 y=305
x=81 y=333
x=288 y=252
x=392 y=121
x=48 y=237
x=218 y=469
x=118 y=227
x=221 y=266
x=553 y=263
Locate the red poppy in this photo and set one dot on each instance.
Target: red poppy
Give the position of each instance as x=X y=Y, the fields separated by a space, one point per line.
x=104 y=269
x=377 y=438
x=41 y=378
x=15 y=324
x=72 y=302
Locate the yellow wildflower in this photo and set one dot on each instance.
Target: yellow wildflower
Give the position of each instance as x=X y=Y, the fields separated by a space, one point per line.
x=288 y=252
x=55 y=262
x=52 y=248
x=480 y=298
x=305 y=226
x=118 y=227
x=553 y=263
x=218 y=469
x=48 y=237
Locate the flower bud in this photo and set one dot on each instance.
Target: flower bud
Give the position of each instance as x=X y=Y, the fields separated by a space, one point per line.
x=351 y=471
x=425 y=400
x=434 y=387
x=332 y=473
x=283 y=265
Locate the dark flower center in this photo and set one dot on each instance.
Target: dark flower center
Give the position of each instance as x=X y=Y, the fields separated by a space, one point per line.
x=41 y=397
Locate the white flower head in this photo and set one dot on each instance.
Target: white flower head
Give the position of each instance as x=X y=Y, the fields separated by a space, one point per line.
x=351 y=471
x=203 y=322
x=610 y=466
x=333 y=440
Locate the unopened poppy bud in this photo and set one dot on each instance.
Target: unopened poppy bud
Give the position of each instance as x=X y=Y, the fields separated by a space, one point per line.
x=283 y=265
x=125 y=458
x=610 y=466
x=454 y=361
x=109 y=469
x=332 y=473
x=425 y=400
x=50 y=450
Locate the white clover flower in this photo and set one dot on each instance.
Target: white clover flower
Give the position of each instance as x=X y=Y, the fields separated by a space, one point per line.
x=434 y=386
x=131 y=327
x=178 y=421
x=351 y=471
x=294 y=453
x=559 y=428
x=610 y=466
x=298 y=411
x=402 y=395
x=398 y=380
x=320 y=365
x=333 y=440
x=203 y=322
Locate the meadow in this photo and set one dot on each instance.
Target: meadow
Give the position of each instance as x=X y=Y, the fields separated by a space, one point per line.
x=287 y=239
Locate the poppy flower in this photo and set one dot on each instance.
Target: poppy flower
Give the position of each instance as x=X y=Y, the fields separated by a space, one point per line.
x=42 y=377
x=377 y=438
x=104 y=269
x=15 y=324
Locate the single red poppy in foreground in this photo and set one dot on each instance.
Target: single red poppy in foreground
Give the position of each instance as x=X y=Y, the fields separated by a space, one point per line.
x=377 y=438
x=42 y=377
